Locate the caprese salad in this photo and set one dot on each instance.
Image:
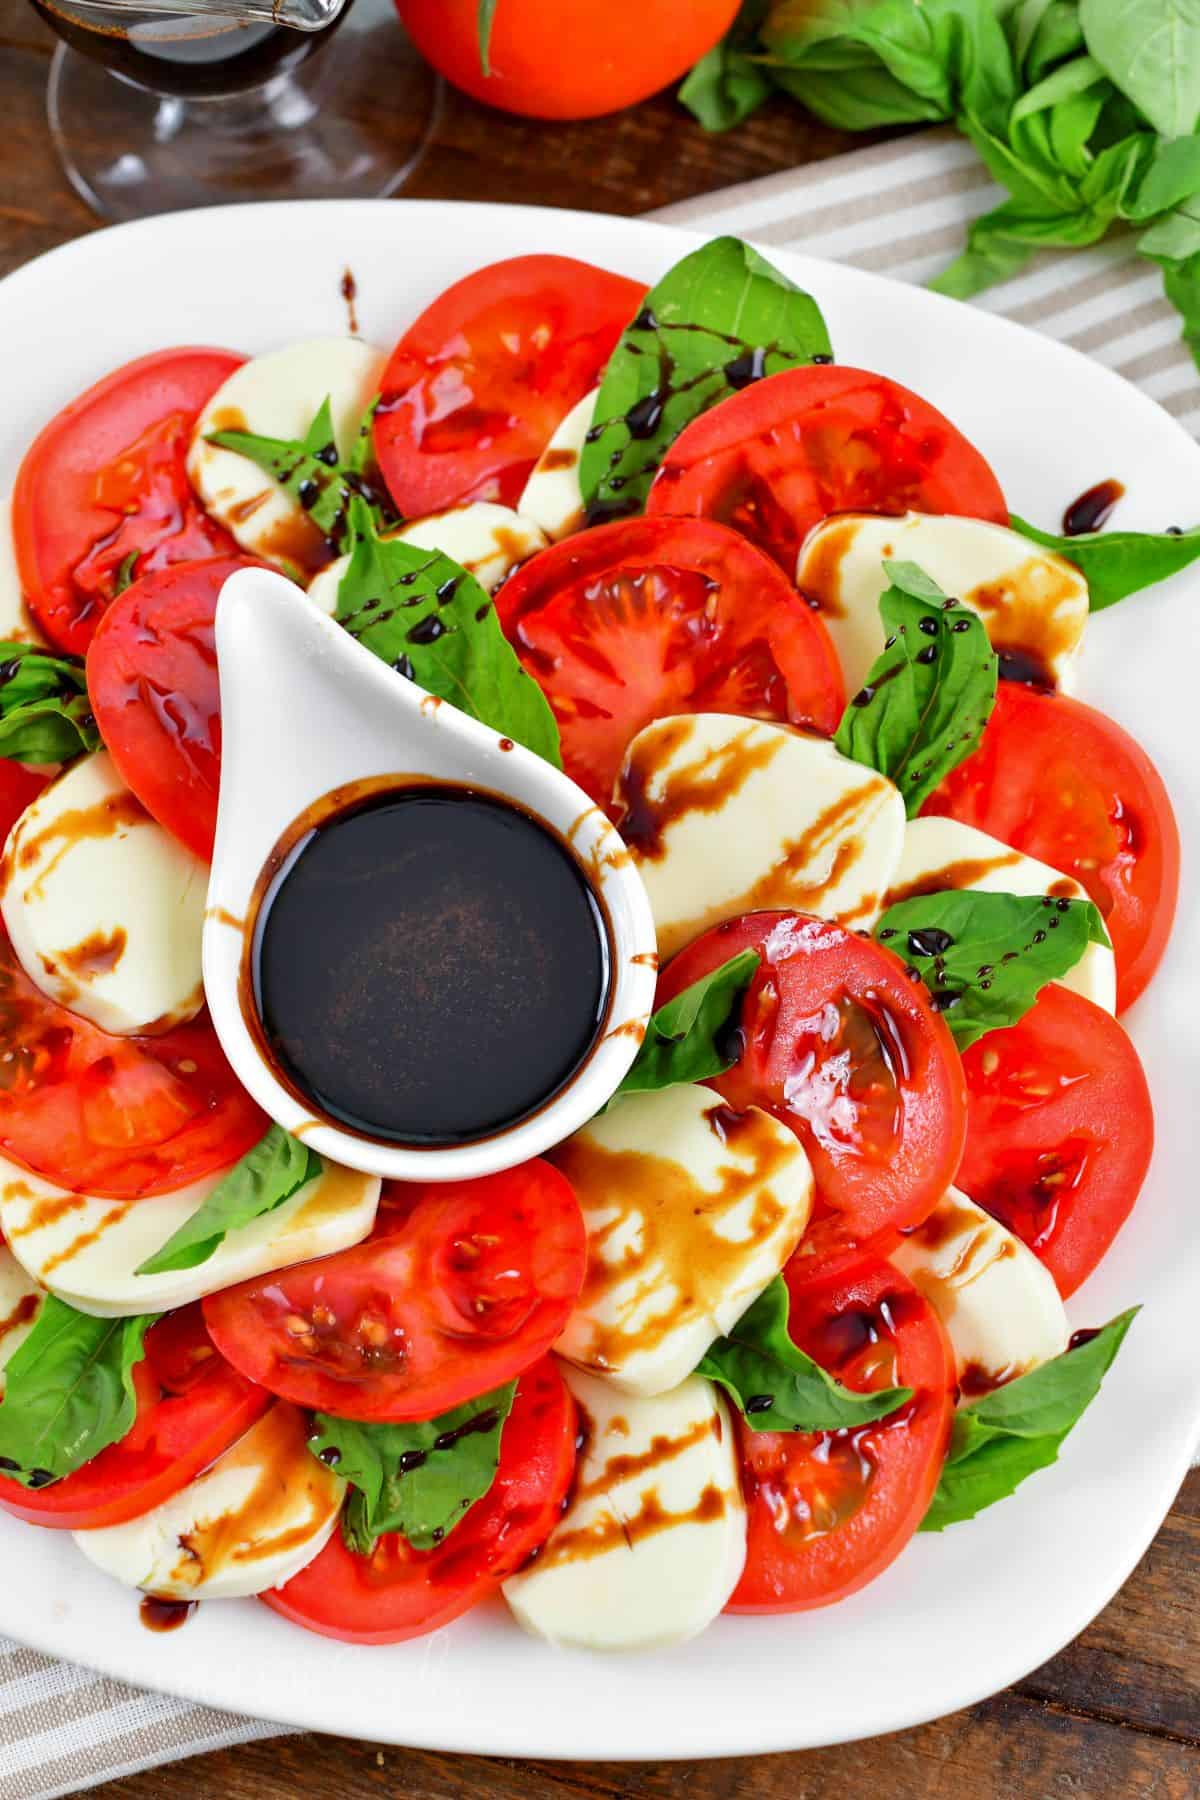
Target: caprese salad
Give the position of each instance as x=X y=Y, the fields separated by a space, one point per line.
x=797 y=1293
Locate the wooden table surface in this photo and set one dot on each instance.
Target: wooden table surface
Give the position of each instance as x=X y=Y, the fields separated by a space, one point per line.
x=1116 y=1713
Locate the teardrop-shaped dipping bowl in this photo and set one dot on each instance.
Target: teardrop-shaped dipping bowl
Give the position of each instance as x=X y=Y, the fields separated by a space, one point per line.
x=311 y=722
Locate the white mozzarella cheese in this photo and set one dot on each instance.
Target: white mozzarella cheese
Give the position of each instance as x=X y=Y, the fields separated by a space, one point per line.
x=727 y=816
x=489 y=541
x=654 y=1539
x=87 y=1250
x=105 y=909
x=20 y=1302
x=254 y=1519
x=1033 y=603
x=552 y=496
x=278 y=395
x=16 y=621
x=998 y=1303
x=691 y=1209
x=942 y=853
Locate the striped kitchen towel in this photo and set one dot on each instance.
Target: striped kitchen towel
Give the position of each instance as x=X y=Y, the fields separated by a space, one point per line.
x=899 y=209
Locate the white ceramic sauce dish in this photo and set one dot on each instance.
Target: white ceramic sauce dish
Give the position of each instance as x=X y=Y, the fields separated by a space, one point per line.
x=306 y=710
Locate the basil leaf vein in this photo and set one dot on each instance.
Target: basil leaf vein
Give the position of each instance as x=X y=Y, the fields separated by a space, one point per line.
x=277 y=1167
x=776 y=1386
x=986 y=957
x=68 y=1392
x=929 y=694
x=418 y=1479
x=690 y=1038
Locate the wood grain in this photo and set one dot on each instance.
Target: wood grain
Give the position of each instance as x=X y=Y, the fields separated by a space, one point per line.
x=1118 y=1712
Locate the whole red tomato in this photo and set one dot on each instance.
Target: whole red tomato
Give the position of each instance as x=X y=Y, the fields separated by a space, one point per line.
x=567 y=59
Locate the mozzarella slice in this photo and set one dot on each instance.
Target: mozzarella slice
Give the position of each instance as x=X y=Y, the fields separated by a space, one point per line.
x=16 y=620
x=998 y=1303
x=1034 y=604
x=489 y=541
x=691 y=1209
x=552 y=496
x=278 y=395
x=654 y=1539
x=105 y=909
x=941 y=853
x=726 y=816
x=87 y=1250
x=254 y=1519
x=20 y=1302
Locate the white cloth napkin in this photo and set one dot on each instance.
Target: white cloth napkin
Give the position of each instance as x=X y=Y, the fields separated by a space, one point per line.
x=899 y=209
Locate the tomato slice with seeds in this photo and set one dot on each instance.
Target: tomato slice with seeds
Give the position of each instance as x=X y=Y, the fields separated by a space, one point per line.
x=398 y=1592
x=475 y=387
x=104 y=488
x=1060 y=1131
x=841 y=1043
x=829 y=1510
x=114 y=1116
x=789 y=450
x=1060 y=781
x=461 y=1286
x=191 y=1406
x=643 y=618
x=152 y=680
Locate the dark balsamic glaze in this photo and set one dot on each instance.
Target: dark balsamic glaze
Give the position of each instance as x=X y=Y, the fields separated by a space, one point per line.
x=1089 y=511
x=158 y=1614
x=429 y=965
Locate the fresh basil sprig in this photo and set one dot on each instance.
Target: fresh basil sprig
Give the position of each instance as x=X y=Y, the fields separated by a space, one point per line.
x=68 y=1392
x=691 y=1037
x=311 y=471
x=45 y=713
x=929 y=694
x=428 y=618
x=1118 y=563
x=1003 y=1437
x=986 y=957
x=277 y=1167
x=417 y=1479
x=720 y=319
x=776 y=1386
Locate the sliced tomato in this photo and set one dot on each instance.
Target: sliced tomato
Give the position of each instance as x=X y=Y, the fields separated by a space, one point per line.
x=475 y=387
x=1060 y=1131
x=829 y=1510
x=643 y=618
x=398 y=1592
x=18 y=786
x=191 y=1406
x=104 y=488
x=152 y=680
x=115 y=1116
x=841 y=1043
x=461 y=1286
x=789 y=450
x=1062 y=782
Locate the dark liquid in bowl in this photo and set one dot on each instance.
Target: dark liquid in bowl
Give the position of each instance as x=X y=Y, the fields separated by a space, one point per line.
x=429 y=967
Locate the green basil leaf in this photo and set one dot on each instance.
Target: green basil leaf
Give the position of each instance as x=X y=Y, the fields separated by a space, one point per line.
x=1172 y=177
x=1043 y=33
x=986 y=957
x=1069 y=79
x=418 y=1479
x=1116 y=564
x=276 y=1168
x=729 y=83
x=312 y=472
x=126 y=572
x=776 y=1386
x=929 y=695
x=430 y=620
x=689 y=1039
x=1151 y=50
x=720 y=319
x=68 y=1392
x=1005 y=1436
x=484 y=17
x=851 y=90
x=45 y=713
